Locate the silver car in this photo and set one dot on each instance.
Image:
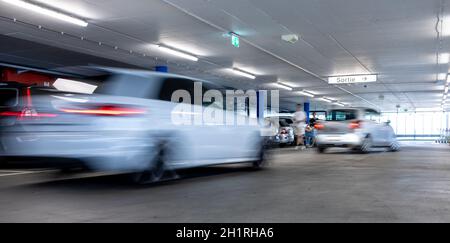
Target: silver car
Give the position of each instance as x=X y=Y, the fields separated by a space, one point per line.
x=356 y=128
x=281 y=130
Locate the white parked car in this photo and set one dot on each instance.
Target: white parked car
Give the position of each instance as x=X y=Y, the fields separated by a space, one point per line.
x=280 y=130
x=127 y=126
x=356 y=128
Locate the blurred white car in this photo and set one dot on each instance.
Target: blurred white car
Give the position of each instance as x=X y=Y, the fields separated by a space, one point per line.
x=356 y=128
x=127 y=126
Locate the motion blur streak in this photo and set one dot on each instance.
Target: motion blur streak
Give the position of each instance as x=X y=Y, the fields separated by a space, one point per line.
x=125 y=127
x=107 y=111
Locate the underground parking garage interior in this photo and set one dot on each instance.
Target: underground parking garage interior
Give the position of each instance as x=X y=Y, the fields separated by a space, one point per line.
x=215 y=111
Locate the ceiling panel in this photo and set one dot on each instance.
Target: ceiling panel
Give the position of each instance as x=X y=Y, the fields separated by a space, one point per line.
x=395 y=39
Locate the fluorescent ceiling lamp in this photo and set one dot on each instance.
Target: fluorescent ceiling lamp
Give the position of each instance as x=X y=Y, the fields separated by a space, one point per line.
x=339 y=104
x=446 y=89
x=283 y=86
x=442 y=76
x=305 y=93
x=326 y=100
x=444 y=58
x=428 y=109
x=67 y=85
x=51 y=13
x=242 y=73
x=177 y=53
x=446 y=27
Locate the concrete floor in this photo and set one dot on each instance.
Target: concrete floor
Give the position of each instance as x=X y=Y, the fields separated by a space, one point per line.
x=409 y=186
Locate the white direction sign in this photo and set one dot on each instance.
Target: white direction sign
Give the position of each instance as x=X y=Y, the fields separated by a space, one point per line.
x=352 y=79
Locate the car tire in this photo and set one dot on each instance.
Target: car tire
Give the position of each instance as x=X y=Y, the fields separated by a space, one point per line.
x=154 y=171
x=394 y=147
x=260 y=163
x=321 y=149
x=366 y=145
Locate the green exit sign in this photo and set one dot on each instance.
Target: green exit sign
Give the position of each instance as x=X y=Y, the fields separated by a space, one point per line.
x=235 y=40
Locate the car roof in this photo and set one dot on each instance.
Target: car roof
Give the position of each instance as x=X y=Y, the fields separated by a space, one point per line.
x=354 y=108
x=147 y=73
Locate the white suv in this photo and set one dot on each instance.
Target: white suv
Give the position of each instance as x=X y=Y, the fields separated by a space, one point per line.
x=127 y=126
x=356 y=128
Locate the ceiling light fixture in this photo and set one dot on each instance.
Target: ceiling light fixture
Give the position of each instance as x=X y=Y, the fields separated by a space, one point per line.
x=306 y=93
x=243 y=73
x=326 y=100
x=444 y=58
x=51 y=13
x=283 y=86
x=442 y=76
x=446 y=27
x=339 y=104
x=446 y=89
x=178 y=53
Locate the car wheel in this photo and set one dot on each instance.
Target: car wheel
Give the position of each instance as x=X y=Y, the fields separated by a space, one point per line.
x=261 y=162
x=154 y=170
x=366 y=146
x=394 y=146
x=321 y=149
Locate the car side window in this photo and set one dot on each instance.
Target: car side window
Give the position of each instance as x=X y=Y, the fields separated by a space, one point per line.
x=171 y=85
x=372 y=115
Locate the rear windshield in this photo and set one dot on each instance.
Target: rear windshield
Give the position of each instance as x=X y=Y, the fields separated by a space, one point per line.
x=341 y=115
x=285 y=122
x=129 y=86
x=8 y=97
x=46 y=100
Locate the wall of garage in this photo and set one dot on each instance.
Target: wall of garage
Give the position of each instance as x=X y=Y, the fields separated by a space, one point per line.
x=419 y=125
x=26 y=77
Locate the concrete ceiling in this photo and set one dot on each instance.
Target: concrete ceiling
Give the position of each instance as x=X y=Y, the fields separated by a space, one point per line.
x=395 y=39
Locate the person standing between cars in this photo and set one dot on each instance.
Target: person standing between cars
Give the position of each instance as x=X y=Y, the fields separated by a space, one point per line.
x=300 y=125
x=312 y=124
x=309 y=134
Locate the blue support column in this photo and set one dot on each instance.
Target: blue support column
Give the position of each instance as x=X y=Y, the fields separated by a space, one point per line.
x=307 y=110
x=162 y=69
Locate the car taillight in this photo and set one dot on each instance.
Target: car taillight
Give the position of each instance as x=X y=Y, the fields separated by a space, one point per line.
x=355 y=125
x=26 y=114
x=319 y=126
x=106 y=110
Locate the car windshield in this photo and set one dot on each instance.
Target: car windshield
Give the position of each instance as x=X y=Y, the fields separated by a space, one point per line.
x=8 y=97
x=341 y=115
